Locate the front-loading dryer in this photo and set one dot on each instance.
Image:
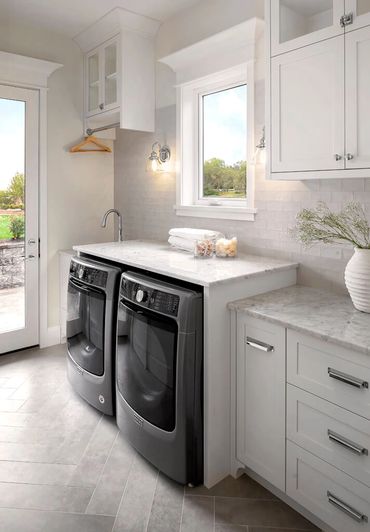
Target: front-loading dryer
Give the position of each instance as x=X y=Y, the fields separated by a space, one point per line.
x=91 y=331
x=159 y=374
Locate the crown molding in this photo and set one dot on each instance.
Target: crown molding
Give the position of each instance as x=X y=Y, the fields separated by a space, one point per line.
x=25 y=71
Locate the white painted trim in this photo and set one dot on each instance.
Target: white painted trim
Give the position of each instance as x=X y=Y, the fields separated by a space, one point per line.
x=116 y=21
x=43 y=230
x=220 y=212
x=224 y=49
x=188 y=202
x=25 y=71
x=52 y=336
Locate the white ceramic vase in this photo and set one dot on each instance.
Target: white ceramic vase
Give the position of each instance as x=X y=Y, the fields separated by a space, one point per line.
x=357 y=279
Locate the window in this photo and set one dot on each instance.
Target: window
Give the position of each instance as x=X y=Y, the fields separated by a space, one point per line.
x=216 y=145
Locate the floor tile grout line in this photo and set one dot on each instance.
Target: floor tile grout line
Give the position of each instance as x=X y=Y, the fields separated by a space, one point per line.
x=63 y=512
x=102 y=471
x=123 y=493
x=182 y=509
x=151 y=506
x=88 y=443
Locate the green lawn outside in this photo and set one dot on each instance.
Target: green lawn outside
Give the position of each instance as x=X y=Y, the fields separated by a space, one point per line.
x=5 y=234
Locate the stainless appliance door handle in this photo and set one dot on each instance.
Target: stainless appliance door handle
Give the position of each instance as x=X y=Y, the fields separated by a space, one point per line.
x=259 y=345
x=347 y=379
x=348 y=444
x=85 y=289
x=341 y=505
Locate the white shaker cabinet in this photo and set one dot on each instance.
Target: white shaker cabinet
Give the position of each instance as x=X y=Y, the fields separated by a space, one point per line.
x=317 y=80
x=260 y=401
x=119 y=72
x=302 y=22
x=358 y=98
x=307 y=102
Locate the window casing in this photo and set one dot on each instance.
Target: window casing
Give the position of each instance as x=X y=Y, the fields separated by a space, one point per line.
x=190 y=198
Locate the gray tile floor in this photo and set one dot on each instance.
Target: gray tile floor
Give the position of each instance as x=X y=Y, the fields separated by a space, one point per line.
x=65 y=468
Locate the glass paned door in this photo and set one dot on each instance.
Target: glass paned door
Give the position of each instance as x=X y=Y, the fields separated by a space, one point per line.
x=18 y=218
x=110 y=67
x=93 y=75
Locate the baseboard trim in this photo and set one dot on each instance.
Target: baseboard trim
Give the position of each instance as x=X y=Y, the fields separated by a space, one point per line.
x=52 y=337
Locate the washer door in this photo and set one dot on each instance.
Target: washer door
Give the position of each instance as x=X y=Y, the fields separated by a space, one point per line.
x=85 y=326
x=146 y=364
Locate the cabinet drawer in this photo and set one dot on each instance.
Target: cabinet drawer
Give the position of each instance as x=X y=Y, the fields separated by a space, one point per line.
x=330 y=432
x=334 y=497
x=331 y=372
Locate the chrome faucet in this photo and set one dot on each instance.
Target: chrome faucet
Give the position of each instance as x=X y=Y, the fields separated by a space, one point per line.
x=104 y=222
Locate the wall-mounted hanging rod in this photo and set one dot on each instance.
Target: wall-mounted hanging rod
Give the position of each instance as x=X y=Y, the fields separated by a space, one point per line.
x=90 y=131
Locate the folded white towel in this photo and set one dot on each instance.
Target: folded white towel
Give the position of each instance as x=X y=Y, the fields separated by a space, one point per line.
x=181 y=243
x=194 y=234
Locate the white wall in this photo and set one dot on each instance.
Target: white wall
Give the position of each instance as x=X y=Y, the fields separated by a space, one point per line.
x=80 y=186
x=147 y=202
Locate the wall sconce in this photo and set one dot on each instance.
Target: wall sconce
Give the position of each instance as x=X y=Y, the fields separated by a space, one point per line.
x=260 y=153
x=158 y=158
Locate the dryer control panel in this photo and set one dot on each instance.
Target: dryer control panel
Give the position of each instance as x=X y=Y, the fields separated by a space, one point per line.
x=151 y=298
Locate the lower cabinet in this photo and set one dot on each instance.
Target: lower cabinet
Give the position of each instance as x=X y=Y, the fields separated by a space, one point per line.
x=303 y=421
x=261 y=398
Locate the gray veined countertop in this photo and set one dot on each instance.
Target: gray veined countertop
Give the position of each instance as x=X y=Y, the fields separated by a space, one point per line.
x=325 y=315
x=159 y=257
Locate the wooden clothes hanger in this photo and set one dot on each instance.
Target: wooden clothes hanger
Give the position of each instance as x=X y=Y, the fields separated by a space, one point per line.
x=87 y=141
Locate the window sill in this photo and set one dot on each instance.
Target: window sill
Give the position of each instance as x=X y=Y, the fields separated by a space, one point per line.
x=213 y=211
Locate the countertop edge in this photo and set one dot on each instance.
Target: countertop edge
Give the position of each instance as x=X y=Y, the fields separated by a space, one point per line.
x=330 y=339
x=278 y=268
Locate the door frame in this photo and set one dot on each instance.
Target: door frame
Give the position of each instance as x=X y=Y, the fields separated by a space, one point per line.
x=30 y=73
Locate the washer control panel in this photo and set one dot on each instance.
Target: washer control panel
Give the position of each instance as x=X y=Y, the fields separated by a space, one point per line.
x=88 y=274
x=153 y=299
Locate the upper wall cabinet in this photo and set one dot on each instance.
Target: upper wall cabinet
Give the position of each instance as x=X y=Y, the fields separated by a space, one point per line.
x=318 y=87
x=297 y=23
x=119 y=71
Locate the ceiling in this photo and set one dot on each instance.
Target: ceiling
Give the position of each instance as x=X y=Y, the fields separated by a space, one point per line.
x=70 y=17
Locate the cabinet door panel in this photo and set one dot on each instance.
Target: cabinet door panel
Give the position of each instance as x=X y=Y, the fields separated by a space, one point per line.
x=296 y=23
x=358 y=98
x=307 y=108
x=93 y=82
x=261 y=399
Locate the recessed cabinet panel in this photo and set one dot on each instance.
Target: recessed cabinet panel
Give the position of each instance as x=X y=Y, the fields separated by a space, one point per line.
x=358 y=98
x=360 y=10
x=307 y=108
x=297 y=23
x=261 y=398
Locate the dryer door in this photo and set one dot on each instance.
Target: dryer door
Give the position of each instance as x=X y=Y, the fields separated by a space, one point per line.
x=146 y=364
x=85 y=326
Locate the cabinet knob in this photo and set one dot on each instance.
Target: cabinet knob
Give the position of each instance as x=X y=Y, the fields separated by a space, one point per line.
x=349 y=156
x=101 y=106
x=337 y=157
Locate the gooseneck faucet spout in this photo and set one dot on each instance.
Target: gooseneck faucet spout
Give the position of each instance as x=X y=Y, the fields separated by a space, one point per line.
x=104 y=222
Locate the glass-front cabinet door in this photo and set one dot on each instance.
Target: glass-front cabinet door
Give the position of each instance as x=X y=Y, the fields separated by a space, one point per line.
x=110 y=75
x=93 y=82
x=101 y=78
x=297 y=23
x=360 y=10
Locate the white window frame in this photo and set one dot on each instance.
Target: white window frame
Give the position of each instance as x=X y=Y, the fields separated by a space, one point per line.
x=189 y=152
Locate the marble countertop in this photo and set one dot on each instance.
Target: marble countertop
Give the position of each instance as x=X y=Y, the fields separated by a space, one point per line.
x=325 y=315
x=159 y=257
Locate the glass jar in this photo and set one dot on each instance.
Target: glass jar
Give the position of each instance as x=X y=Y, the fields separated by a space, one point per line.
x=204 y=248
x=227 y=247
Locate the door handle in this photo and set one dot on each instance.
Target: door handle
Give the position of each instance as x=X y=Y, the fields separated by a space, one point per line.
x=259 y=345
x=346 y=508
x=347 y=379
x=337 y=157
x=349 y=156
x=32 y=241
x=30 y=257
x=348 y=444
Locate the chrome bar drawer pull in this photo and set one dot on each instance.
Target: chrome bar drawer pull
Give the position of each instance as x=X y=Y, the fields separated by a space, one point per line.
x=348 y=379
x=350 y=445
x=341 y=505
x=259 y=345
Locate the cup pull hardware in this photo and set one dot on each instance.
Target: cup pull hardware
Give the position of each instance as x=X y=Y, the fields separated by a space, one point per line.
x=349 y=156
x=346 y=508
x=262 y=346
x=337 y=157
x=348 y=444
x=347 y=379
